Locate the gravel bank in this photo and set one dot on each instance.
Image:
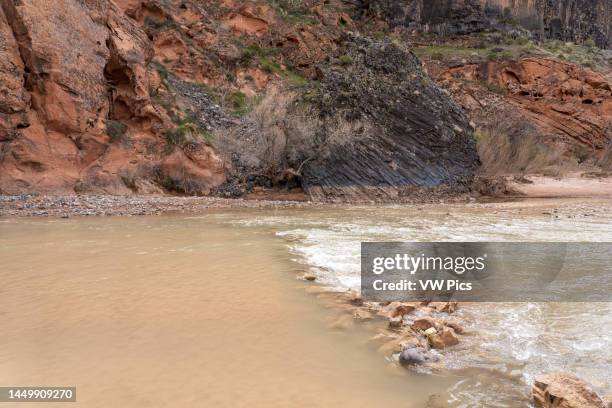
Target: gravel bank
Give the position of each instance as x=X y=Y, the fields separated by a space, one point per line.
x=90 y=205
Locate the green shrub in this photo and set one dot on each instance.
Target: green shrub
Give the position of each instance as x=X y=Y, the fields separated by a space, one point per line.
x=495 y=88
x=588 y=63
x=522 y=40
x=269 y=66
x=187 y=130
x=154 y=24
x=176 y=137
x=115 y=130
x=292 y=10
x=492 y=56
x=161 y=70
x=184 y=134
x=237 y=102
x=296 y=79
x=438 y=56
x=163 y=102
x=530 y=47
x=345 y=60
x=249 y=54
x=590 y=43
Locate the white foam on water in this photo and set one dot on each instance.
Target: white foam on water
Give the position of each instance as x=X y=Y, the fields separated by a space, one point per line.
x=537 y=338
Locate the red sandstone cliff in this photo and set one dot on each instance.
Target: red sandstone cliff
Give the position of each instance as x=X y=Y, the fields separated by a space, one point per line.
x=70 y=70
x=127 y=96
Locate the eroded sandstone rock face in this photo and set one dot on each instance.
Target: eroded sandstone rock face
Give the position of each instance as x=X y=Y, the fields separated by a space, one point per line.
x=130 y=96
x=565 y=102
x=561 y=390
x=72 y=69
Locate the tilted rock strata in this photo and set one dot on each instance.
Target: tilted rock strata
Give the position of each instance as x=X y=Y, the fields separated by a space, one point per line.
x=564 y=102
x=409 y=134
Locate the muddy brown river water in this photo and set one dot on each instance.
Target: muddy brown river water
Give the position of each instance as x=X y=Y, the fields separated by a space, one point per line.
x=206 y=310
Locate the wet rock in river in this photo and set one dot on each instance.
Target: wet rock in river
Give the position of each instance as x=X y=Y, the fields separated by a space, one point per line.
x=455 y=326
x=445 y=307
x=397 y=309
x=563 y=390
x=445 y=338
x=423 y=323
x=430 y=332
x=417 y=356
x=396 y=321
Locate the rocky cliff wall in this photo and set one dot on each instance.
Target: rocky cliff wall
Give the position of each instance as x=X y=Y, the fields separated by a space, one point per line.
x=139 y=96
x=119 y=97
x=75 y=105
x=567 y=20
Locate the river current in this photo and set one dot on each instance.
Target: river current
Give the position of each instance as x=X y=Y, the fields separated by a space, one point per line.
x=206 y=310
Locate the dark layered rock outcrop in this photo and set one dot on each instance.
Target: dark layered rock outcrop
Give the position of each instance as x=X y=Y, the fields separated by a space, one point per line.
x=373 y=127
x=567 y=20
x=408 y=134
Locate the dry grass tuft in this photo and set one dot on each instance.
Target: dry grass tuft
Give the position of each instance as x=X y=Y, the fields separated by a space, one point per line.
x=281 y=135
x=508 y=146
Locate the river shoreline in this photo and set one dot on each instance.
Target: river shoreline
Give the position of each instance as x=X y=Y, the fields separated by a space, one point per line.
x=110 y=205
x=33 y=205
x=526 y=192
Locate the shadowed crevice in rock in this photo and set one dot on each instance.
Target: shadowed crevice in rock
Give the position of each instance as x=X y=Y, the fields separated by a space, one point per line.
x=31 y=64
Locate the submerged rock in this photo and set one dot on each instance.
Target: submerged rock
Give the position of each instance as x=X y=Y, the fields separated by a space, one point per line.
x=445 y=307
x=396 y=321
x=562 y=390
x=458 y=328
x=309 y=277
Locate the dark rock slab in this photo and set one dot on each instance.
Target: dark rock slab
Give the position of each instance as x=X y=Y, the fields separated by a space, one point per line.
x=386 y=128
